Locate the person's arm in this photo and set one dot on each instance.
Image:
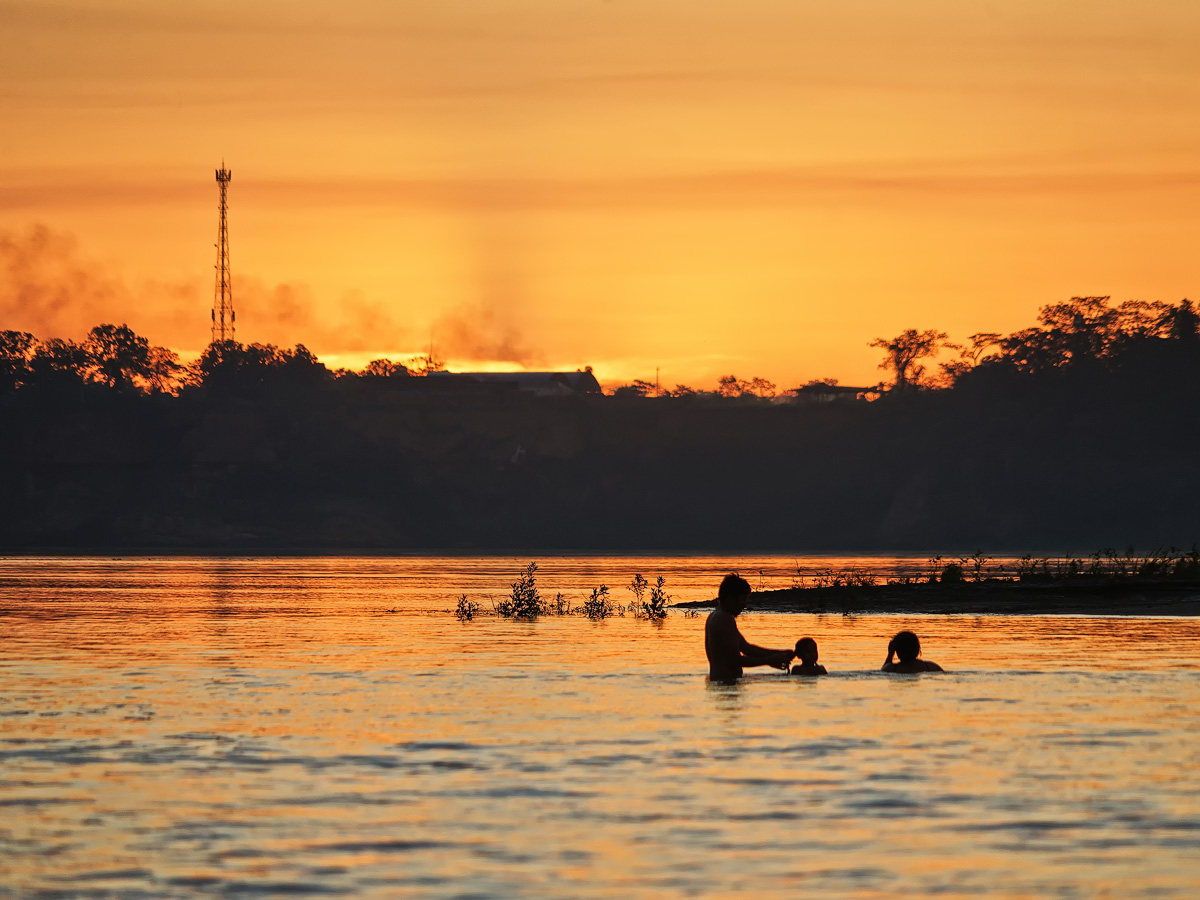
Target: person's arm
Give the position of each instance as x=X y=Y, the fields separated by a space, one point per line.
x=887 y=663
x=753 y=655
x=933 y=667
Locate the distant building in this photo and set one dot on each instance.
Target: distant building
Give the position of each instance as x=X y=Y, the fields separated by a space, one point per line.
x=540 y=384
x=824 y=392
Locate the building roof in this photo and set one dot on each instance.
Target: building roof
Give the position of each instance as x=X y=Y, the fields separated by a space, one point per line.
x=539 y=382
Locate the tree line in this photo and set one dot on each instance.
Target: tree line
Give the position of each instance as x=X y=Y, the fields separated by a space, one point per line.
x=1075 y=433
x=1083 y=335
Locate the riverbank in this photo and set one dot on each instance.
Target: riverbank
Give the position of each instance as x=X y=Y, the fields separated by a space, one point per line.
x=1084 y=597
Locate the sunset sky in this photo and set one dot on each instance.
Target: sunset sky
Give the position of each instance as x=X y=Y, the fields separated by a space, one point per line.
x=757 y=187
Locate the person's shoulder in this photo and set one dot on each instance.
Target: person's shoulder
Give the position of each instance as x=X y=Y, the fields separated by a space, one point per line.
x=806 y=670
x=720 y=617
x=913 y=667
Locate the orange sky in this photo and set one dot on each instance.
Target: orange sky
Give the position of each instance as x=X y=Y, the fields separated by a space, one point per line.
x=758 y=188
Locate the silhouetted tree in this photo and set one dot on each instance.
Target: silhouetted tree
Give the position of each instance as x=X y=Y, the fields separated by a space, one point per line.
x=1185 y=323
x=636 y=388
x=732 y=386
x=16 y=351
x=163 y=371
x=227 y=366
x=903 y=352
x=1090 y=331
x=681 y=390
x=300 y=367
x=118 y=356
x=58 y=363
x=423 y=365
x=969 y=355
x=761 y=387
x=385 y=368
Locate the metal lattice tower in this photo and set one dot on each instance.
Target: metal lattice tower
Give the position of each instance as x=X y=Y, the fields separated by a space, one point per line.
x=223 y=317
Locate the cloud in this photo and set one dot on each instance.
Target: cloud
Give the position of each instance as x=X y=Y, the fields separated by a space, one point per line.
x=481 y=334
x=48 y=288
x=289 y=313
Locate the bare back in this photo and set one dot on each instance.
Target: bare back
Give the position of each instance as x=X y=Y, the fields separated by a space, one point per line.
x=723 y=644
x=912 y=667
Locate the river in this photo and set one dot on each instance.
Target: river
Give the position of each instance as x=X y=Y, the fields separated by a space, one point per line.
x=249 y=727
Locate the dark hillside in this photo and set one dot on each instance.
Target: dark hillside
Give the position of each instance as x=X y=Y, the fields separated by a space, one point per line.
x=1050 y=468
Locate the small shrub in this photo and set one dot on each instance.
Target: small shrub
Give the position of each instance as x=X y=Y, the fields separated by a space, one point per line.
x=935 y=566
x=598 y=606
x=1031 y=569
x=848 y=579
x=466 y=609
x=656 y=608
x=952 y=573
x=1188 y=565
x=978 y=563
x=524 y=602
x=560 y=605
x=638 y=588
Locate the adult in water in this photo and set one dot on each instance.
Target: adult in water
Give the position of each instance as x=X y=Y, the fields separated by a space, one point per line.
x=728 y=652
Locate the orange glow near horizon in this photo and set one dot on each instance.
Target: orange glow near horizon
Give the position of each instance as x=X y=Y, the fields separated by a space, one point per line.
x=629 y=184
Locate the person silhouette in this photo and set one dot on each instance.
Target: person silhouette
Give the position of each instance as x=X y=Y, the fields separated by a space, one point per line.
x=907 y=646
x=727 y=651
x=806 y=649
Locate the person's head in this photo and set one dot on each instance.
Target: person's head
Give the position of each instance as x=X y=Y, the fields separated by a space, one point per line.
x=806 y=649
x=733 y=593
x=907 y=646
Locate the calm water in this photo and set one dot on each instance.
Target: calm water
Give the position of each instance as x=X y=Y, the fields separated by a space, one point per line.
x=266 y=727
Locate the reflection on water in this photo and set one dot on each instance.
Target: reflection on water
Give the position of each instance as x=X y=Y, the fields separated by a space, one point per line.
x=191 y=727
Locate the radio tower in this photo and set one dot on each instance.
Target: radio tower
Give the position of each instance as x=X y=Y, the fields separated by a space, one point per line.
x=223 y=316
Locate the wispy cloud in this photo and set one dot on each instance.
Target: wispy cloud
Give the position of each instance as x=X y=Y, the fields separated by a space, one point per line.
x=49 y=288
x=768 y=186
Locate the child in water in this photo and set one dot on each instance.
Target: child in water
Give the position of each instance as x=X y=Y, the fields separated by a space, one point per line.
x=806 y=649
x=907 y=646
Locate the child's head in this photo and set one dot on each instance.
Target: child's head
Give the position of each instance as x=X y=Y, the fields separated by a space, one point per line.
x=907 y=646
x=806 y=649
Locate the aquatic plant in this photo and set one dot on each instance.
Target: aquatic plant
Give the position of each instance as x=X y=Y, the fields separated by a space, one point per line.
x=559 y=606
x=1030 y=568
x=1110 y=565
x=638 y=588
x=952 y=573
x=851 y=578
x=936 y=564
x=977 y=562
x=1188 y=565
x=655 y=609
x=598 y=606
x=466 y=609
x=524 y=601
